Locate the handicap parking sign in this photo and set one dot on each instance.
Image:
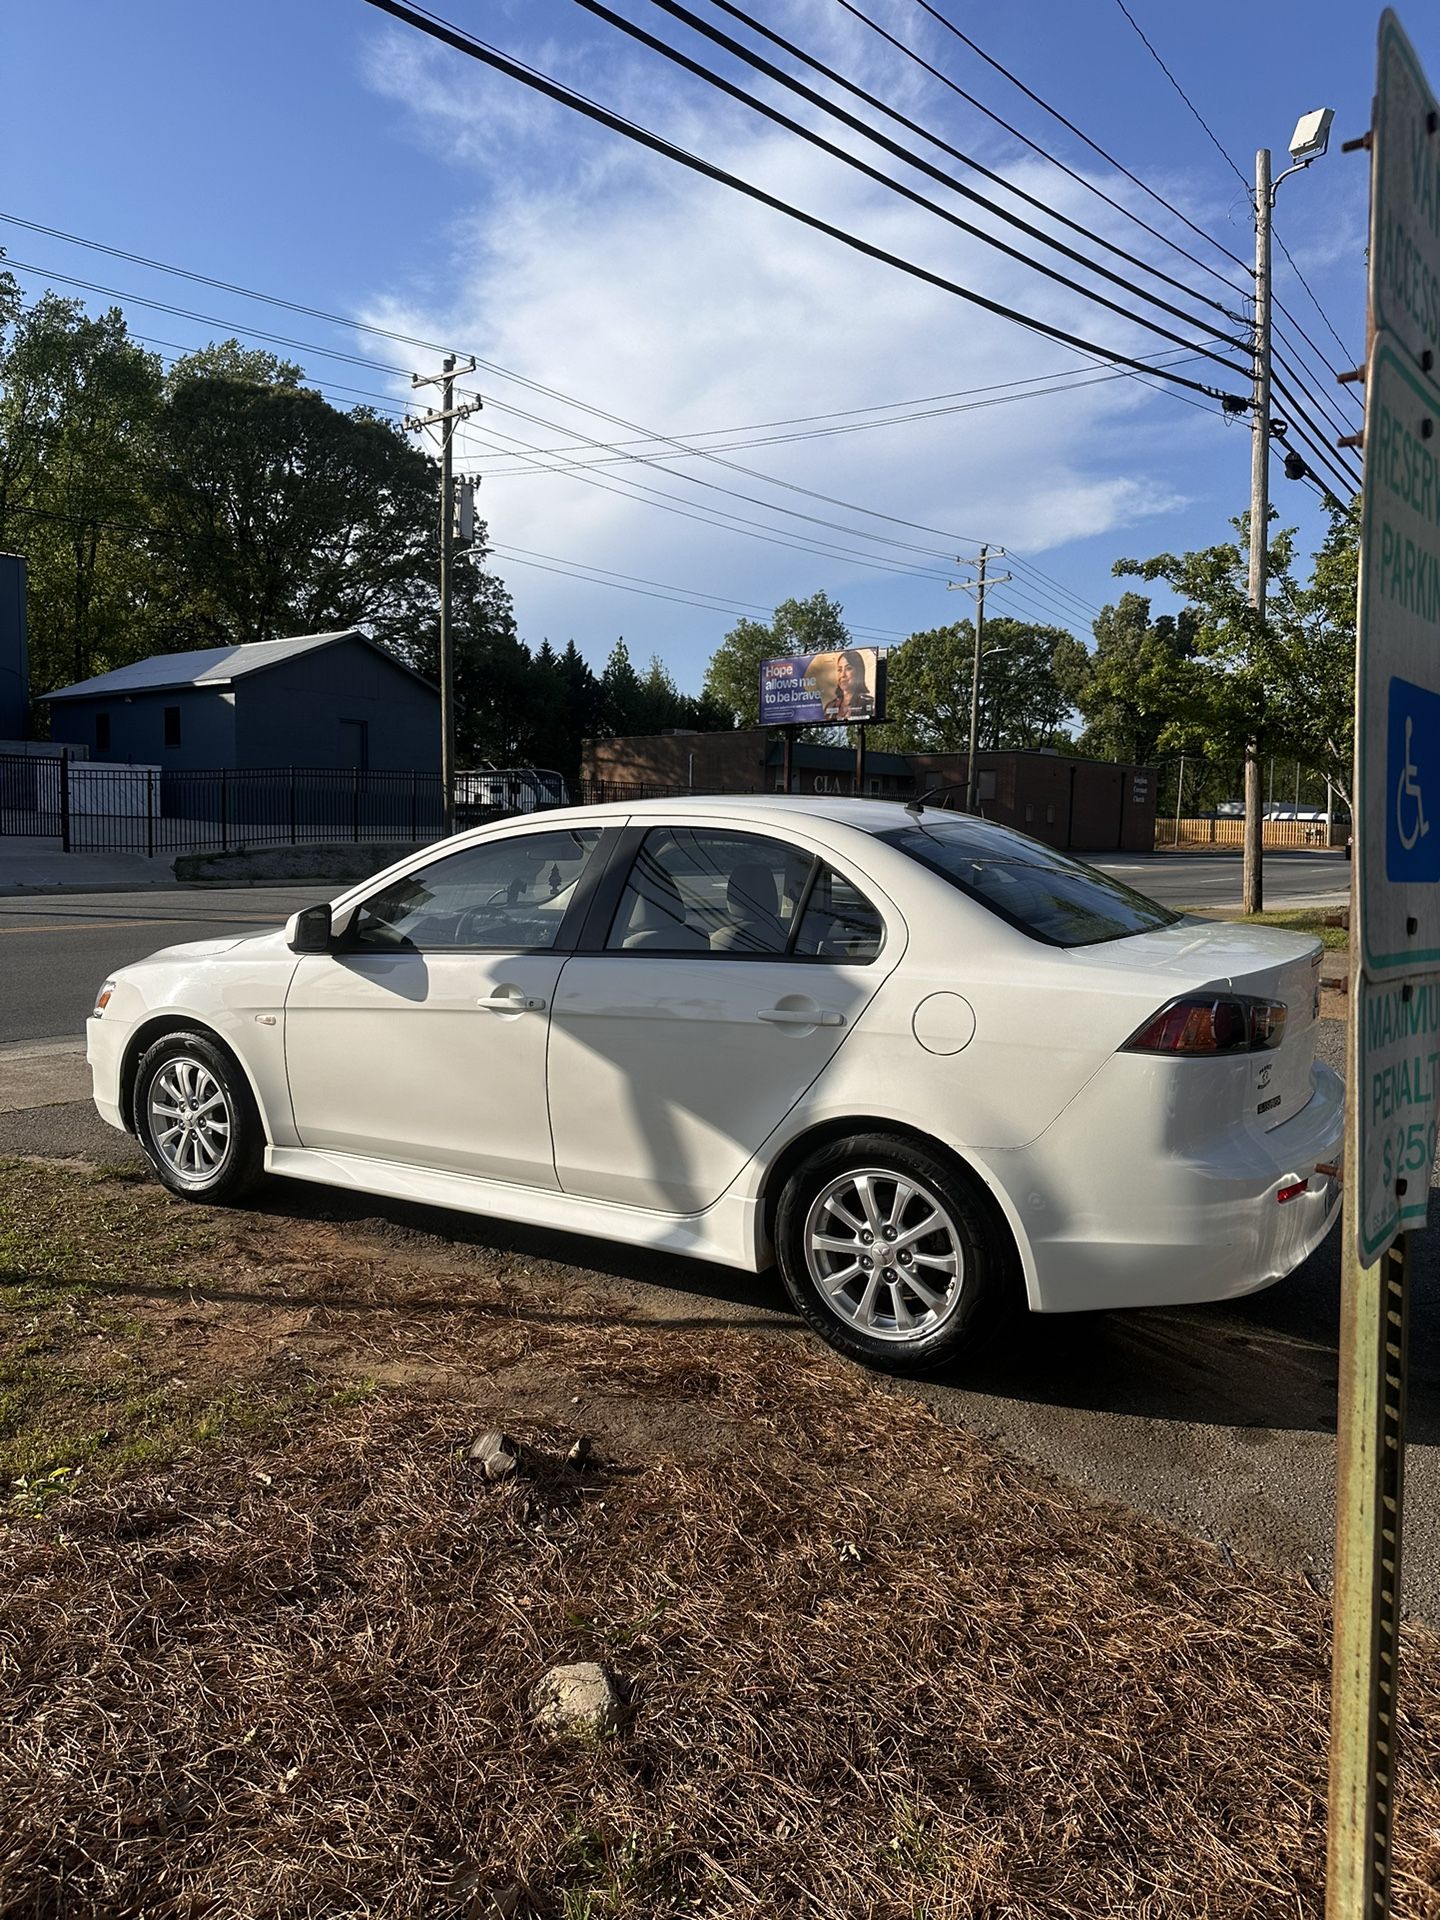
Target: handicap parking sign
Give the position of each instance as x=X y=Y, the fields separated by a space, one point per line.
x=1412 y=767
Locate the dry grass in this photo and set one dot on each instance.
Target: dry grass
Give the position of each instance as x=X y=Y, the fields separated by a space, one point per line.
x=872 y=1667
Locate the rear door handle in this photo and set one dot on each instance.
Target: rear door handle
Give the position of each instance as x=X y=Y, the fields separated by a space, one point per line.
x=513 y=1003
x=798 y=1017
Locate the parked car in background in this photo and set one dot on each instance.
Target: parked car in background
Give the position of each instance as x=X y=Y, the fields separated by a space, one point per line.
x=491 y=791
x=930 y=1066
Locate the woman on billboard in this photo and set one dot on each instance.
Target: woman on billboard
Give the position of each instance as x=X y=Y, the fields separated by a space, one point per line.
x=849 y=695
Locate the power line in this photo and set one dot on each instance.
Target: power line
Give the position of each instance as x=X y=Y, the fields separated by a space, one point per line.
x=905 y=154
x=628 y=450
x=400 y=407
x=1315 y=302
x=1204 y=124
x=1044 y=153
x=449 y=35
x=1094 y=146
x=657 y=589
x=976 y=166
x=916 y=198
x=1249 y=189
x=505 y=373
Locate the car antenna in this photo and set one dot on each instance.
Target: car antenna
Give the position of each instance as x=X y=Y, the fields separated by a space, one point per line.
x=917 y=806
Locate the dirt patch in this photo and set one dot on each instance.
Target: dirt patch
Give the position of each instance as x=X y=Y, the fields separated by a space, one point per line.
x=870 y=1666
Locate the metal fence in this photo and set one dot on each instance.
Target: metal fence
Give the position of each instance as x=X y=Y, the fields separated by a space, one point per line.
x=150 y=810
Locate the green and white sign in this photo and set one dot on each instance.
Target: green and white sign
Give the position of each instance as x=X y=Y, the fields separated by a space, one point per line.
x=1405 y=204
x=1399 y=1055
x=1397 y=730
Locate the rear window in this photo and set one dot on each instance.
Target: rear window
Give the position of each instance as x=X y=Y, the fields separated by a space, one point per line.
x=1045 y=894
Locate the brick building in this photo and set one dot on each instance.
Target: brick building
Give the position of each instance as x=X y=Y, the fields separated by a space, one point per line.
x=1090 y=805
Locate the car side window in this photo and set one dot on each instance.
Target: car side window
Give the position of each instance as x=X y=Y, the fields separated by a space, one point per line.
x=838 y=923
x=510 y=893
x=705 y=890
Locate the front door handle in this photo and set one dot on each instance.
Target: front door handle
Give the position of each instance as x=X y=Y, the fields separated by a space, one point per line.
x=514 y=1003
x=801 y=1017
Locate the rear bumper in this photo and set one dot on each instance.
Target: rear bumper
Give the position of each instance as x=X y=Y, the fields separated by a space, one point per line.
x=1114 y=1209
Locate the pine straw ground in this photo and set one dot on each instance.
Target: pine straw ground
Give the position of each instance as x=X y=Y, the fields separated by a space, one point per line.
x=871 y=1667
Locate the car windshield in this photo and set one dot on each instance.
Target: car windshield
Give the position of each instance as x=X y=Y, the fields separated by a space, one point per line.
x=1045 y=894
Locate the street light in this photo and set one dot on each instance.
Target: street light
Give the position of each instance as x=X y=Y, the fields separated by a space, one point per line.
x=1308 y=142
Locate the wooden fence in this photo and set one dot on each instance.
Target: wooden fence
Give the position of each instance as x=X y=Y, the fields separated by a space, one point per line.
x=1229 y=831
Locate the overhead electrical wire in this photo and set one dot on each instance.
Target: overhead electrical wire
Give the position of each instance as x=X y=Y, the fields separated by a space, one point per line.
x=1044 y=153
x=679 y=11
x=1204 y=124
x=1094 y=146
x=490 y=366
x=629 y=453
x=907 y=155
x=1090 y=186
x=969 y=160
x=443 y=30
x=703 y=516
x=657 y=589
x=912 y=194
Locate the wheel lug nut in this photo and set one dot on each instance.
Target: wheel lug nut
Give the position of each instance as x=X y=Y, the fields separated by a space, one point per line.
x=889 y=1233
x=866 y=1239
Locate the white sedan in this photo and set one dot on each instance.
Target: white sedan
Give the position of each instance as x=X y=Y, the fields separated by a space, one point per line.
x=926 y=1064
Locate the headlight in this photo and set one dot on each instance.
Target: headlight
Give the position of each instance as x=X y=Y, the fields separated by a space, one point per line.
x=102 y=999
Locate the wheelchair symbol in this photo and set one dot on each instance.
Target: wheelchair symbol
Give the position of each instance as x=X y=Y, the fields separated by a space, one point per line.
x=1408 y=789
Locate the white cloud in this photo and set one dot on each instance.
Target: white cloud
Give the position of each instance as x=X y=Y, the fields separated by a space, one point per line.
x=612 y=275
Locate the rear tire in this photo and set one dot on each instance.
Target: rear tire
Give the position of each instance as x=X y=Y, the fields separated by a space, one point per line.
x=892 y=1255
x=196 y=1119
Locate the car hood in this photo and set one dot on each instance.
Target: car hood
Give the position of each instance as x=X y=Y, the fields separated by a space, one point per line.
x=222 y=943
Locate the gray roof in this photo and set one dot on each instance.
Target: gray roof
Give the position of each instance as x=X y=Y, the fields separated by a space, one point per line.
x=201 y=667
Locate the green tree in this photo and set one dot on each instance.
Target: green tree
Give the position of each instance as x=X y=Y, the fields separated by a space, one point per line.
x=78 y=401
x=929 y=680
x=732 y=679
x=280 y=514
x=1285 y=680
x=1138 y=691
x=622 y=705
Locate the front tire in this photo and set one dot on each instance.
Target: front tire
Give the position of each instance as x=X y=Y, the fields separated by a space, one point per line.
x=196 y=1119
x=891 y=1255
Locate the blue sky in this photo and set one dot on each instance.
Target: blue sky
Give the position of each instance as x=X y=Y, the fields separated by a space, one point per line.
x=322 y=152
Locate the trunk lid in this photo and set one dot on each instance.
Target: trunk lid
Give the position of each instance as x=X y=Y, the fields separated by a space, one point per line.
x=1265 y=963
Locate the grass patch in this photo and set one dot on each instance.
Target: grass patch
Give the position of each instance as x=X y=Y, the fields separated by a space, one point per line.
x=870 y=1665
x=1293 y=919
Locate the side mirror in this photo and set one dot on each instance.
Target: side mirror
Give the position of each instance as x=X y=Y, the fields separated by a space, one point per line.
x=309 y=930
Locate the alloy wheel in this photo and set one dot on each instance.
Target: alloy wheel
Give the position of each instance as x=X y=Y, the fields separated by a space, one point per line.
x=885 y=1254
x=189 y=1119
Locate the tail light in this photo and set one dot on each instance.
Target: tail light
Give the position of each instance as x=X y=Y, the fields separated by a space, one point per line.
x=1211 y=1023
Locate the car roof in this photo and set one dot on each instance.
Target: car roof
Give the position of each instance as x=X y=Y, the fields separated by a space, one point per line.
x=871 y=816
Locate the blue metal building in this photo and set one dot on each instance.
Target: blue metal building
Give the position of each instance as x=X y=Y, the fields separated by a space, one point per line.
x=318 y=700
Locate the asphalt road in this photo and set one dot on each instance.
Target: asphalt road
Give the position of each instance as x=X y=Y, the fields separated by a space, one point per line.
x=55 y=949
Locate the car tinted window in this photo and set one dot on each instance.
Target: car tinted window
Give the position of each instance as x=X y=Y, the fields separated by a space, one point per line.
x=508 y=893
x=703 y=890
x=838 y=923
x=1046 y=894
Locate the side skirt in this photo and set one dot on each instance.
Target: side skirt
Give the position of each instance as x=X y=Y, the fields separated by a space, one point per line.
x=730 y=1231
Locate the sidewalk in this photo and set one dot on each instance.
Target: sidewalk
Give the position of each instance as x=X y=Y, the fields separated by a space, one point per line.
x=42 y=866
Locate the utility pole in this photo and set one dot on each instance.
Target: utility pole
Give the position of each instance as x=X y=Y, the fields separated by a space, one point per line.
x=1252 y=880
x=977 y=586
x=446 y=417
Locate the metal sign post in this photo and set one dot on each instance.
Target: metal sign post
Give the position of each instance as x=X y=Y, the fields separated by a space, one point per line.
x=1393 y=1041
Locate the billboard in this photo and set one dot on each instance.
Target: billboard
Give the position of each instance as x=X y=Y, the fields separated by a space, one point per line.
x=817 y=689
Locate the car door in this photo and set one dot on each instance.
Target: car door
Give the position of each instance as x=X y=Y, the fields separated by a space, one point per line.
x=733 y=968
x=421 y=1037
